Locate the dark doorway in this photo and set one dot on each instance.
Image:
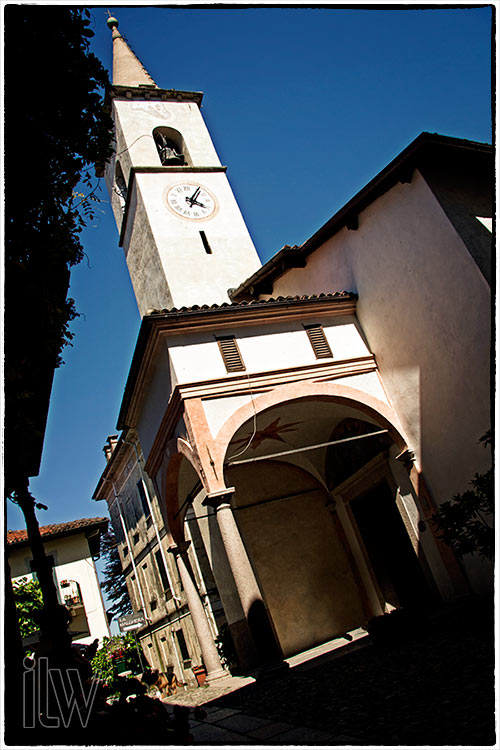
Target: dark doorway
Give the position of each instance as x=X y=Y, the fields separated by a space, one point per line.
x=389 y=548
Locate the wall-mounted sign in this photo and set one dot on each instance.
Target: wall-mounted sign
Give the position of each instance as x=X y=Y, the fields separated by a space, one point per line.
x=135 y=621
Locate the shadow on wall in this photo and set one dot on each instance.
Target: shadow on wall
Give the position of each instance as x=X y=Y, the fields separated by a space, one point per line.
x=263 y=634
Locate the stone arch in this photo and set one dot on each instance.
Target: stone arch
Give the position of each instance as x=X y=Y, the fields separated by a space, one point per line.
x=173 y=490
x=332 y=392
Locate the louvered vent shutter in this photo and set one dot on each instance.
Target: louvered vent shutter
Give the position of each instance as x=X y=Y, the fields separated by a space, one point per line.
x=230 y=353
x=318 y=341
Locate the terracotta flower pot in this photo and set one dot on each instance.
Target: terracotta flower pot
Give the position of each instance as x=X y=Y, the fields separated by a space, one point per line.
x=201 y=674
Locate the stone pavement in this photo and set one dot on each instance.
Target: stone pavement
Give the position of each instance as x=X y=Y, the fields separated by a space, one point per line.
x=214 y=724
x=434 y=688
x=227 y=726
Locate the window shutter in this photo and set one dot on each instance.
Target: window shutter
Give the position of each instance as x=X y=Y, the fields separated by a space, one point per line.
x=230 y=353
x=318 y=341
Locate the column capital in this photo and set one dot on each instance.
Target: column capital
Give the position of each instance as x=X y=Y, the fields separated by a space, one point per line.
x=179 y=549
x=407 y=458
x=216 y=499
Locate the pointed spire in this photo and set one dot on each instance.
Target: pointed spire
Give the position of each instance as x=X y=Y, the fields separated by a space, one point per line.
x=127 y=68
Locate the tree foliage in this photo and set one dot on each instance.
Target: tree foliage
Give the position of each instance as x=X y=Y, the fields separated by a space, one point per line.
x=56 y=130
x=29 y=603
x=114 y=584
x=466 y=522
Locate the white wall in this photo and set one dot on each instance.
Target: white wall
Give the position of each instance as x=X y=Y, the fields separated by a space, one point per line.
x=167 y=260
x=264 y=347
x=196 y=357
x=424 y=307
x=72 y=562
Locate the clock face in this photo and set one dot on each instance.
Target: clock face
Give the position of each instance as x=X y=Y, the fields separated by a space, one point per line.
x=191 y=201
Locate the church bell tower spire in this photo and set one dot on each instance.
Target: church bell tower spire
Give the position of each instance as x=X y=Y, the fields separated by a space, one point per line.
x=184 y=237
x=127 y=68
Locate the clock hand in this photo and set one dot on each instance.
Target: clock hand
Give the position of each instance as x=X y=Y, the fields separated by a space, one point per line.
x=192 y=198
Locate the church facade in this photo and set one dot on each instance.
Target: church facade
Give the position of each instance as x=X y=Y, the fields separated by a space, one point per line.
x=303 y=419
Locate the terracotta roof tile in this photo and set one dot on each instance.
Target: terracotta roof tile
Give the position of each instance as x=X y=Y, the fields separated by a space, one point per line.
x=55 y=529
x=254 y=303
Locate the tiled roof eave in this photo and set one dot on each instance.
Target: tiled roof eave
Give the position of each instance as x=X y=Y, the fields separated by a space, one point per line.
x=235 y=307
x=19 y=537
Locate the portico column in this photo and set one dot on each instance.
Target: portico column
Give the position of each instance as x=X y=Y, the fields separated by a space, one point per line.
x=208 y=648
x=247 y=587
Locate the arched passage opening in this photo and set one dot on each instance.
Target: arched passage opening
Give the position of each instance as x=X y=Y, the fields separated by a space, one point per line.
x=297 y=509
x=362 y=474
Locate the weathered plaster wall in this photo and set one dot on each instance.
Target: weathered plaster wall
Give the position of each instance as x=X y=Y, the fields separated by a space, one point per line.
x=159 y=389
x=138 y=119
x=424 y=307
x=299 y=560
x=193 y=275
x=145 y=268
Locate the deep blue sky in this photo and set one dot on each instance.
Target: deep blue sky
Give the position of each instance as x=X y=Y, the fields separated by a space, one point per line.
x=304 y=106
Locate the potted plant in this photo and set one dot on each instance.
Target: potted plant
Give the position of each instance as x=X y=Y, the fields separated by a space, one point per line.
x=200 y=673
x=118 y=655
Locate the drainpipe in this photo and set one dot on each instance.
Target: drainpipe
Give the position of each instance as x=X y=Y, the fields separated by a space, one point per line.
x=131 y=549
x=155 y=525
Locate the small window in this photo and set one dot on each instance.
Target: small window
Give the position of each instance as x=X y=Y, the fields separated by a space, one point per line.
x=142 y=495
x=318 y=341
x=125 y=551
x=182 y=644
x=230 y=353
x=144 y=566
x=206 y=243
x=153 y=604
x=163 y=573
x=135 y=538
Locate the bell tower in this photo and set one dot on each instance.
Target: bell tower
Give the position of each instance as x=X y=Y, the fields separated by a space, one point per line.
x=184 y=238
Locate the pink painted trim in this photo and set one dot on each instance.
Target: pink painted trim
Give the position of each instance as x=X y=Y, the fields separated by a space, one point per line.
x=334 y=392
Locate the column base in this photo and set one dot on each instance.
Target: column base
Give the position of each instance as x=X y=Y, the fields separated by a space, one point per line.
x=217 y=674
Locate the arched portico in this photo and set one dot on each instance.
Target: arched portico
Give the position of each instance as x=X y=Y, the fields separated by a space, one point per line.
x=309 y=558
x=286 y=531
x=210 y=517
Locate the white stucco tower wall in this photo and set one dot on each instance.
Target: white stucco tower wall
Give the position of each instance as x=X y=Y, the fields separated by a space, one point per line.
x=180 y=226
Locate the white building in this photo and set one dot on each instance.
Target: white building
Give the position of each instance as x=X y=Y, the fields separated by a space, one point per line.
x=308 y=415
x=73 y=546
